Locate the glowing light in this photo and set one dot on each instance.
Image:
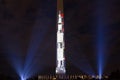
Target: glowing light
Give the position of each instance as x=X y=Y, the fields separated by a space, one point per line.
x=100 y=72
x=23 y=77
x=101 y=37
x=31 y=66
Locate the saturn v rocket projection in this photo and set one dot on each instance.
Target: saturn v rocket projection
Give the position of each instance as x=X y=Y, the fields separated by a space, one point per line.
x=60 y=65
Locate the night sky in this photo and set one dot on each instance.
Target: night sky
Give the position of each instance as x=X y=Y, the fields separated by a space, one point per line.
x=28 y=34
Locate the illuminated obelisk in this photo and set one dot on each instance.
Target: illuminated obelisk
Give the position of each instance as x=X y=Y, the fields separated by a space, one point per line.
x=60 y=63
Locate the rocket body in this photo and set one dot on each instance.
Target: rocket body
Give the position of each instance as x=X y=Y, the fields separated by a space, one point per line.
x=60 y=67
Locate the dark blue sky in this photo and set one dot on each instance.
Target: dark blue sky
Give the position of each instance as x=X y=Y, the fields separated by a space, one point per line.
x=28 y=28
